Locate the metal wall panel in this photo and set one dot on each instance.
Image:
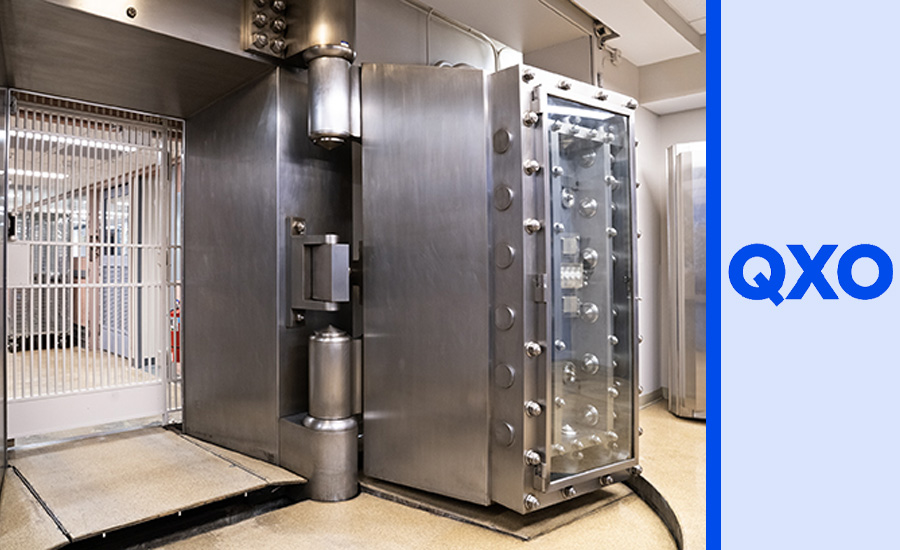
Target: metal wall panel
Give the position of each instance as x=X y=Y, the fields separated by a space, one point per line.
x=230 y=294
x=426 y=279
x=174 y=58
x=250 y=166
x=4 y=125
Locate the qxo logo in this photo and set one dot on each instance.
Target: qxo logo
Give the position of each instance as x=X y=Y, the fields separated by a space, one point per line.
x=770 y=288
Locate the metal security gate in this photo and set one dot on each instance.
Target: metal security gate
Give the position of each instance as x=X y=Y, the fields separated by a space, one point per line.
x=93 y=272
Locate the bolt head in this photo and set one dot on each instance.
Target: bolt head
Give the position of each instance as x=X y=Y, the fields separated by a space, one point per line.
x=637 y=470
x=533 y=349
x=532 y=502
x=533 y=408
x=530 y=118
x=279 y=25
x=531 y=167
x=532 y=226
x=569 y=492
x=260 y=19
x=277 y=45
x=532 y=457
x=260 y=40
x=602 y=96
x=528 y=75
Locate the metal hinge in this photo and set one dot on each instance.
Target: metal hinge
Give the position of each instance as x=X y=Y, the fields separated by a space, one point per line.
x=320 y=271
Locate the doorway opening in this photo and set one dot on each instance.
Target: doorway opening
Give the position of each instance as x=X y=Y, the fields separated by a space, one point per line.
x=94 y=262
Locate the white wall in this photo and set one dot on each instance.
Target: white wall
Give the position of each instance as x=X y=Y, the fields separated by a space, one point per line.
x=656 y=134
x=682 y=128
x=651 y=215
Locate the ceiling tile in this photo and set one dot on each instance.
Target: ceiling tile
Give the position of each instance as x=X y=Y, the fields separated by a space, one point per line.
x=690 y=10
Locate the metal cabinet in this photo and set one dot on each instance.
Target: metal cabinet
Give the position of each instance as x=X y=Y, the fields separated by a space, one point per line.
x=686 y=283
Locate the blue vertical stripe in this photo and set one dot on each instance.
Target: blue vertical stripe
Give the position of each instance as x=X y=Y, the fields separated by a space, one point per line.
x=714 y=275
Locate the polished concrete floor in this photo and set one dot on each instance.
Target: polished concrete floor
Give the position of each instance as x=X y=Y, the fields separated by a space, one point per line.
x=83 y=488
x=672 y=454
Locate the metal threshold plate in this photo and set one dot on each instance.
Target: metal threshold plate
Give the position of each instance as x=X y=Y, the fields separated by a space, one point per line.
x=496 y=517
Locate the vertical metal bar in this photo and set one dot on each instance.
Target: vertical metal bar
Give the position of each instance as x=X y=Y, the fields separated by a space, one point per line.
x=110 y=274
x=11 y=184
x=68 y=164
x=96 y=252
x=116 y=191
x=52 y=291
x=135 y=360
x=161 y=312
x=59 y=257
x=81 y=292
x=74 y=295
x=35 y=297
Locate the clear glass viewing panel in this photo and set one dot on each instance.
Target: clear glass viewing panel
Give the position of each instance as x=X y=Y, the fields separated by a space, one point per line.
x=592 y=409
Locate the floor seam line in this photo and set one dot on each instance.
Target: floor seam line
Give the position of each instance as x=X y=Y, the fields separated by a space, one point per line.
x=228 y=460
x=41 y=501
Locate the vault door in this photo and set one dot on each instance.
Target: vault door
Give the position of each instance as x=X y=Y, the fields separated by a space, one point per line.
x=89 y=283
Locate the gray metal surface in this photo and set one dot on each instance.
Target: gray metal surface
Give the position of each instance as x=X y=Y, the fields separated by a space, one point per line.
x=514 y=378
x=173 y=58
x=250 y=168
x=4 y=126
x=426 y=279
x=319 y=271
x=329 y=101
x=686 y=283
x=322 y=22
x=325 y=452
x=330 y=375
x=231 y=378
x=314 y=184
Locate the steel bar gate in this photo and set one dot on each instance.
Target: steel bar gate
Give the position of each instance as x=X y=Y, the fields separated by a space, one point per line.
x=94 y=256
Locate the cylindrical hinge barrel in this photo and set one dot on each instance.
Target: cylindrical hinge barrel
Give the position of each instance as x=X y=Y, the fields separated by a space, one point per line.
x=329 y=105
x=330 y=375
x=332 y=458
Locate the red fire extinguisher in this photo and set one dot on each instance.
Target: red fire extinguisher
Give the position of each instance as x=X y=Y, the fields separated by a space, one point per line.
x=175 y=331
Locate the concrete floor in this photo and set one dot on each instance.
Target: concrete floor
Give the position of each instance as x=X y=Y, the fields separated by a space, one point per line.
x=83 y=488
x=672 y=454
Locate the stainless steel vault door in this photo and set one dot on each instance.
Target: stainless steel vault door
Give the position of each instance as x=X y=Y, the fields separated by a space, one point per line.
x=499 y=284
